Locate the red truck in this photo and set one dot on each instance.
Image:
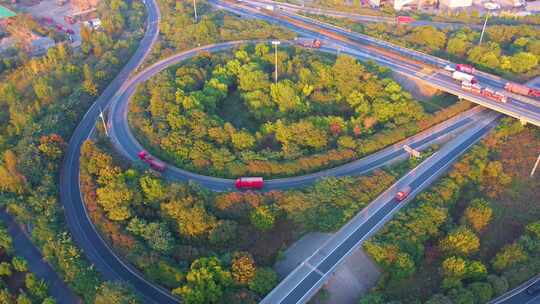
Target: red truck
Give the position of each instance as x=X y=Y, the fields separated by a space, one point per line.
x=249 y=183
x=404 y=19
x=465 y=68
x=154 y=163
x=475 y=88
x=403 y=193
x=521 y=89
x=310 y=43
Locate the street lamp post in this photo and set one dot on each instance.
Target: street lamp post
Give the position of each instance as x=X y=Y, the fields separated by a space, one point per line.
x=483 y=29
x=195 y=9
x=103 y=121
x=276 y=43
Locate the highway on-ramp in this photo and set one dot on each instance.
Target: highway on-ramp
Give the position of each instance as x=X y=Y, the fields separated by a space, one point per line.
x=125 y=142
x=81 y=227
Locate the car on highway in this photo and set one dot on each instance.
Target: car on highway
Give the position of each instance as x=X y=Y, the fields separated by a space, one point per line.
x=249 y=183
x=534 y=289
x=403 y=193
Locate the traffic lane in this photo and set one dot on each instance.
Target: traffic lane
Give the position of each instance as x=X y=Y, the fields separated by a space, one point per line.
x=24 y=247
x=358 y=167
x=82 y=230
x=328 y=263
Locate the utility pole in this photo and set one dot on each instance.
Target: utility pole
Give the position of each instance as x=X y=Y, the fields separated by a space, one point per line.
x=483 y=29
x=276 y=43
x=195 y=9
x=535 y=165
x=103 y=121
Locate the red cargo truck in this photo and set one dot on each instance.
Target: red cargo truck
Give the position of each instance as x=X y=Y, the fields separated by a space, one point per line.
x=249 y=183
x=465 y=68
x=154 y=163
x=521 y=89
x=307 y=42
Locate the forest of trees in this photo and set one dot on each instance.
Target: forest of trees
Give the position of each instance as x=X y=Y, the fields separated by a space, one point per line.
x=41 y=101
x=213 y=26
x=222 y=114
x=17 y=284
x=187 y=238
x=512 y=51
x=443 y=247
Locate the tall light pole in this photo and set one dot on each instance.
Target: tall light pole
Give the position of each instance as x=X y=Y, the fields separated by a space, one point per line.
x=535 y=165
x=103 y=121
x=276 y=43
x=195 y=9
x=483 y=29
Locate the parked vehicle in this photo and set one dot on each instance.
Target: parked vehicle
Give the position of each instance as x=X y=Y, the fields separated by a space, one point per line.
x=403 y=193
x=249 y=183
x=457 y=75
x=152 y=162
x=269 y=7
x=465 y=68
x=521 y=89
x=404 y=19
x=307 y=42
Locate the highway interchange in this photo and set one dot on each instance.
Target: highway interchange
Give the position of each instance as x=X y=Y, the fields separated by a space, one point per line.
x=466 y=130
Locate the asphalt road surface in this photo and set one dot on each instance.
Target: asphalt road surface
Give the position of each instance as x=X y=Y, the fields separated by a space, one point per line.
x=307 y=278
x=83 y=231
x=519 y=295
x=25 y=248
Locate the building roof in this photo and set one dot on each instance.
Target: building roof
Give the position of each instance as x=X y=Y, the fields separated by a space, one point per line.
x=5 y=13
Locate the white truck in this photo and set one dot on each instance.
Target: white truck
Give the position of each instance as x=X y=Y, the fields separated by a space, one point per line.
x=457 y=75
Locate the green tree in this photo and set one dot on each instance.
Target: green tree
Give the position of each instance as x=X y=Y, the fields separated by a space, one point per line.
x=372 y=298
x=36 y=287
x=243 y=268
x=454 y=267
x=499 y=284
x=285 y=96
x=262 y=218
x=477 y=215
x=508 y=256
x=153 y=188
x=19 y=264
x=523 y=62
x=461 y=241
x=224 y=232
x=5 y=269
x=191 y=218
x=439 y=299
x=461 y=296
x=6 y=242
x=264 y=280
x=206 y=282
x=482 y=291
x=115 y=293
x=428 y=36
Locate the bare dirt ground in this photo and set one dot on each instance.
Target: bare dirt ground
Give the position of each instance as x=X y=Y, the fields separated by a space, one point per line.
x=48 y=8
x=418 y=89
x=353 y=278
x=299 y=251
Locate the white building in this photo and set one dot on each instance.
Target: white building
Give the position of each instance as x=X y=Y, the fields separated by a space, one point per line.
x=452 y=4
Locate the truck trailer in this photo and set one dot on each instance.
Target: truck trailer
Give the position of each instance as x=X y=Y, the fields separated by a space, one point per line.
x=476 y=89
x=152 y=162
x=457 y=75
x=521 y=89
x=249 y=183
x=308 y=42
x=465 y=68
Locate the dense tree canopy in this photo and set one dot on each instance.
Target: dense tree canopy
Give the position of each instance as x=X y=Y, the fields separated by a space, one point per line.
x=221 y=114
